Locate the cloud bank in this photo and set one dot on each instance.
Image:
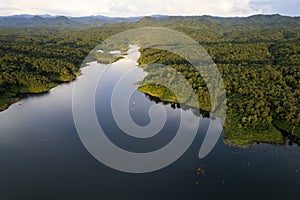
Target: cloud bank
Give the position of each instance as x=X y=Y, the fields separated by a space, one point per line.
x=126 y=8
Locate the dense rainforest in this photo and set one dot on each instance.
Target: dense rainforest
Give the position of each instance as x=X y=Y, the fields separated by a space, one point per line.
x=258 y=58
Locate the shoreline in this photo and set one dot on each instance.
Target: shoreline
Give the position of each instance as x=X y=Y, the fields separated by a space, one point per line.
x=246 y=142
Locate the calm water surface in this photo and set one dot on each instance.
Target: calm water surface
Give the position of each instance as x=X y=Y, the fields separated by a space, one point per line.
x=42 y=157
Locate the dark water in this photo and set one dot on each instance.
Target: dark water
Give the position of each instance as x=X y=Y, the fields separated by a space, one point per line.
x=42 y=157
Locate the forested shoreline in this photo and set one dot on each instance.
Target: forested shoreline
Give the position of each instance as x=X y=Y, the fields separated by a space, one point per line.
x=260 y=68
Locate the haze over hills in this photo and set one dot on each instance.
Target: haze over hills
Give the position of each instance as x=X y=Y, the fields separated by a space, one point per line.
x=255 y=21
x=59 y=21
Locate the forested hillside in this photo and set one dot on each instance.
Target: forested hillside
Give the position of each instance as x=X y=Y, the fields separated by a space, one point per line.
x=34 y=60
x=258 y=57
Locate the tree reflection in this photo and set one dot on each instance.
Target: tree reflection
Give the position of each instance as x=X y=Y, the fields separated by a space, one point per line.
x=196 y=111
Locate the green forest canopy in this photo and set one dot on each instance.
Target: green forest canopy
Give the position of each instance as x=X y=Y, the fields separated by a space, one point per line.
x=259 y=61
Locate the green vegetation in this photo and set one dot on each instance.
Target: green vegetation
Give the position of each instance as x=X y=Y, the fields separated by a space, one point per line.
x=158 y=91
x=258 y=57
x=180 y=68
x=288 y=127
x=200 y=171
x=34 y=60
x=261 y=81
x=261 y=72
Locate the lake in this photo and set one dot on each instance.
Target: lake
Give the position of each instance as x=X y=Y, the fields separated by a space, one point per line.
x=42 y=156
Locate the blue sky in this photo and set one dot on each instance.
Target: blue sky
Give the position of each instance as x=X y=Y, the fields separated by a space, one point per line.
x=125 y=8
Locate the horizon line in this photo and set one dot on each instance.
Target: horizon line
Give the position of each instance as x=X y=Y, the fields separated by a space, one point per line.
x=150 y=15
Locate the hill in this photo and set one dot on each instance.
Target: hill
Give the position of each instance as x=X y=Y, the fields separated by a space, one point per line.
x=207 y=22
x=216 y=23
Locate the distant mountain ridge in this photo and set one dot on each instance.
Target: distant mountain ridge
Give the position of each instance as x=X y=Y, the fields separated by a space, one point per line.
x=59 y=21
x=255 y=21
x=251 y=22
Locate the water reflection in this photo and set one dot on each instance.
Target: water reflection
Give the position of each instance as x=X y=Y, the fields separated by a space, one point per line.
x=42 y=158
x=196 y=111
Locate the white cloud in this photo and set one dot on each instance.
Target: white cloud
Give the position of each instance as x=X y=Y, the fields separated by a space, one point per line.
x=284 y=7
x=134 y=7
